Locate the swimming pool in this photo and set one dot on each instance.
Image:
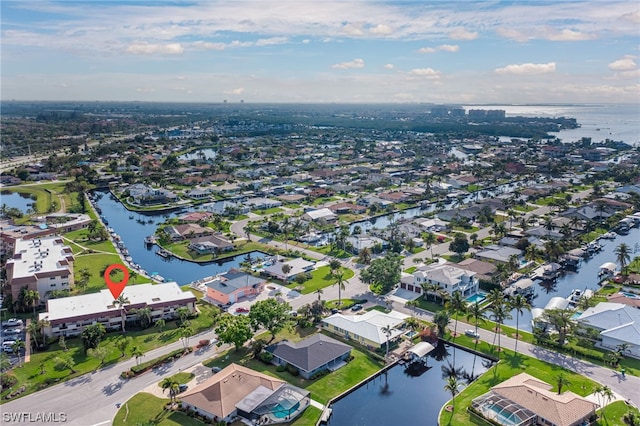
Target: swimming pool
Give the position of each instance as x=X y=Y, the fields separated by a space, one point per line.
x=281 y=411
x=630 y=295
x=478 y=297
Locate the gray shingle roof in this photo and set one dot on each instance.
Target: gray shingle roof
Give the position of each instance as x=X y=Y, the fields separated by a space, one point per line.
x=310 y=353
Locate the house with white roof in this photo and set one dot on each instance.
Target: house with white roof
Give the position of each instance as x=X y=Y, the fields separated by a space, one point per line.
x=296 y=266
x=447 y=276
x=68 y=316
x=41 y=264
x=617 y=323
x=367 y=329
x=495 y=253
x=324 y=214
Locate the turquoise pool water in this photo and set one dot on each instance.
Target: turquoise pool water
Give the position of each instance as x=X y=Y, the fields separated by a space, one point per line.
x=509 y=419
x=630 y=295
x=478 y=297
x=281 y=411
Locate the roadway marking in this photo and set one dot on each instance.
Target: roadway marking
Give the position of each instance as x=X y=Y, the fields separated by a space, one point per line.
x=102 y=423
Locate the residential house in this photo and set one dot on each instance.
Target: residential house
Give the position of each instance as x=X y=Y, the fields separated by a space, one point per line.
x=195 y=217
x=237 y=391
x=262 y=203
x=233 y=285
x=495 y=253
x=361 y=241
x=343 y=208
x=143 y=194
x=68 y=316
x=447 y=276
x=315 y=354
x=187 y=230
x=296 y=266
x=372 y=329
x=526 y=400
x=617 y=323
x=484 y=271
x=319 y=215
x=40 y=264
x=215 y=244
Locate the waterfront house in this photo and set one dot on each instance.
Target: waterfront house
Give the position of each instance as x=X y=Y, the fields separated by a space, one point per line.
x=68 y=316
x=187 y=230
x=296 y=266
x=320 y=215
x=231 y=286
x=359 y=242
x=367 y=329
x=525 y=400
x=495 y=253
x=617 y=323
x=315 y=354
x=215 y=244
x=447 y=276
x=143 y=194
x=237 y=391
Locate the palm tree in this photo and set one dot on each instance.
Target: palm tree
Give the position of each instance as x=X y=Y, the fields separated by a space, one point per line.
x=42 y=324
x=172 y=385
x=456 y=305
x=562 y=381
x=499 y=312
x=17 y=347
x=319 y=293
x=452 y=387
x=549 y=226
x=137 y=353
x=387 y=332
x=429 y=288
x=285 y=271
x=340 y=282
x=185 y=333
x=477 y=313
x=520 y=304
x=121 y=301
x=161 y=323
x=133 y=275
x=623 y=256
x=144 y=316
x=365 y=256
x=605 y=395
x=32 y=329
x=430 y=239
x=441 y=320
x=32 y=297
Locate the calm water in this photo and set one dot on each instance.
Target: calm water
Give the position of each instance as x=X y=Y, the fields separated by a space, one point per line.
x=586 y=277
x=134 y=230
x=199 y=154
x=619 y=122
x=399 y=398
x=19 y=201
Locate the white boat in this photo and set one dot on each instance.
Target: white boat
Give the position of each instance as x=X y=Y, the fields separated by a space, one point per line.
x=608 y=236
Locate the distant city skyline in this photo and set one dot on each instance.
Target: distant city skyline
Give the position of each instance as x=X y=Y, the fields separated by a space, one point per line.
x=323 y=51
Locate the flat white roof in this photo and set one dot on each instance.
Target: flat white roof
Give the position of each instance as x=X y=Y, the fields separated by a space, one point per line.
x=39 y=255
x=89 y=304
x=369 y=325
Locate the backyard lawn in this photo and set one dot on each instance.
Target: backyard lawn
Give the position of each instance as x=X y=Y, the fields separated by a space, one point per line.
x=321 y=278
x=144 y=408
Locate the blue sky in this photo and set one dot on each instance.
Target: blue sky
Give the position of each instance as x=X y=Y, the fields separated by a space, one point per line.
x=322 y=51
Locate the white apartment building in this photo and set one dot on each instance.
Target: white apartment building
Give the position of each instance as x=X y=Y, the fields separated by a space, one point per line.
x=447 y=276
x=69 y=315
x=42 y=264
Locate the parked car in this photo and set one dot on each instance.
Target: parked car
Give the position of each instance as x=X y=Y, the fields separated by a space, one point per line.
x=12 y=322
x=356 y=307
x=7 y=346
x=335 y=311
x=182 y=387
x=215 y=370
x=472 y=333
x=242 y=310
x=13 y=332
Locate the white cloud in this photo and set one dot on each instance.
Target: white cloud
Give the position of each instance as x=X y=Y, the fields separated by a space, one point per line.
x=145 y=90
x=635 y=74
x=442 y=48
x=513 y=34
x=527 y=69
x=236 y=91
x=356 y=63
x=207 y=45
x=567 y=35
x=389 y=66
x=462 y=34
x=631 y=17
x=381 y=29
x=353 y=29
x=271 y=41
x=429 y=73
x=306 y=41
x=625 y=64
x=449 y=48
x=144 y=48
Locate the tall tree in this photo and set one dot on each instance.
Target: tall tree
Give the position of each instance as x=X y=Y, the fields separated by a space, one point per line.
x=499 y=312
x=100 y=353
x=456 y=305
x=623 y=256
x=520 y=304
x=92 y=335
x=271 y=315
x=235 y=330
x=137 y=353
x=121 y=301
x=383 y=273
x=561 y=320
x=122 y=343
x=172 y=385
x=339 y=276
x=441 y=319
x=562 y=381
x=452 y=386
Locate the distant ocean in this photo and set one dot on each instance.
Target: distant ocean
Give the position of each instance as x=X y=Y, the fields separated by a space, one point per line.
x=619 y=122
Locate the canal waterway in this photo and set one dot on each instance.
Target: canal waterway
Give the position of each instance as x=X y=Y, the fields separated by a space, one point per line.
x=133 y=227
x=405 y=397
x=585 y=277
x=16 y=200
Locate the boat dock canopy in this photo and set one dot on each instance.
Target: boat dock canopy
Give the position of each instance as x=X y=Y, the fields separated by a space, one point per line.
x=421 y=349
x=609 y=265
x=523 y=284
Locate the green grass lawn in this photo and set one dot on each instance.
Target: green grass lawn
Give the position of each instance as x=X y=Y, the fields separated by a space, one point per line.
x=411 y=269
x=321 y=278
x=331 y=251
x=144 y=408
x=181 y=378
x=310 y=417
x=265 y=212
x=181 y=249
x=31 y=376
x=510 y=365
x=345 y=303
x=613 y=414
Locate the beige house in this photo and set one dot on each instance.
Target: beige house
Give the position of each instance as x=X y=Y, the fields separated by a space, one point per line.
x=524 y=400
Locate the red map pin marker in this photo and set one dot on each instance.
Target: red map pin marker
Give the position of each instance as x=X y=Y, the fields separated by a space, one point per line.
x=116 y=287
